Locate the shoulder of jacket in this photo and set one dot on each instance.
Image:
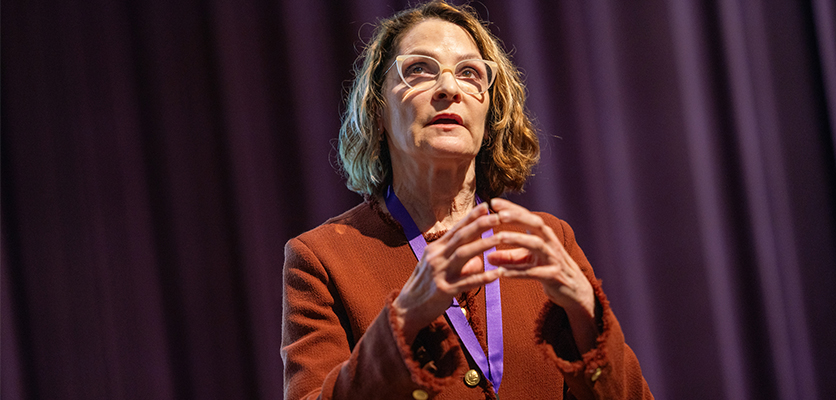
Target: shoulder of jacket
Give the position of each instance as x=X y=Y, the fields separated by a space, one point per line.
x=550 y=219
x=361 y=213
x=560 y=227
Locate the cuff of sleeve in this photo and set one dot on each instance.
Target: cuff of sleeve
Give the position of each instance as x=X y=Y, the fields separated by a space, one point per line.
x=434 y=359
x=553 y=336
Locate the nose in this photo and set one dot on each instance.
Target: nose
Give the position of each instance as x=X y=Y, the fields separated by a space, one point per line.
x=447 y=87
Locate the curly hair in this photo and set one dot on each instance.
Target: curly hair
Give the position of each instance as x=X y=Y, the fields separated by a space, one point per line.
x=510 y=148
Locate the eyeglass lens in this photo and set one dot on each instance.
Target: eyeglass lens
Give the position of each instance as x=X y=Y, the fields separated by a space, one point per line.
x=422 y=72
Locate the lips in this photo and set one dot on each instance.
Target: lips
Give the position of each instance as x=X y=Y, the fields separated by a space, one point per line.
x=446 y=119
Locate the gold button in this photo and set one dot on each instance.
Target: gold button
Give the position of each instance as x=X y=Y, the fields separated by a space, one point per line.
x=419 y=394
x=596 y=374
x=464 y=311
x=472 y=378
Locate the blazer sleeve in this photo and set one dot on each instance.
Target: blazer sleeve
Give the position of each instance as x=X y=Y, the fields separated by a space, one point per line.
x=320 y=362
x=608 y=371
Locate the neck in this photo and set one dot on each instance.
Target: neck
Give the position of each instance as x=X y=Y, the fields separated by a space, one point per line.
x=436 y=196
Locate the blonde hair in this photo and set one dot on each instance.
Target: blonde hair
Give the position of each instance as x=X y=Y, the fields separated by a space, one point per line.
x=510 y=148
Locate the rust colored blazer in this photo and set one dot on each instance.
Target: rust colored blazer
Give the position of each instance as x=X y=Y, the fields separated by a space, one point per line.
x=338 y=341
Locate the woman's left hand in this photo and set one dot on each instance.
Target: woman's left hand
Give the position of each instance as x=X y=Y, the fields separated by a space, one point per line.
x=540 y=255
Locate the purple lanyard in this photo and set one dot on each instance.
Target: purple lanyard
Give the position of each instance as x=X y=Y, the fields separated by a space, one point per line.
x=492 y=367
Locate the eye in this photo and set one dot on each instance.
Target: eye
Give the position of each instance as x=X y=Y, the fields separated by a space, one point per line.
x=470 y=71
x=417 y=69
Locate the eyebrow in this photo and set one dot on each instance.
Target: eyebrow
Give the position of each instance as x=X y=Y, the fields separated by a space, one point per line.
x=423 y=52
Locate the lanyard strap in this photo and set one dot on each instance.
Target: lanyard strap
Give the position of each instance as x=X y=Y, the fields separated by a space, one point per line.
x=492 y=365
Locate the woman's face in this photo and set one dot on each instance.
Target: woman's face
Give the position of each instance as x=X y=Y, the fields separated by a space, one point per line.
x=442 y=123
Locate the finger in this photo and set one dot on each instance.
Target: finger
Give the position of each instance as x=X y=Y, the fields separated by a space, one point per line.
x=464 y=253
x=545 y=274
x=523 y=259
x=472 y=231
x=512 y=257
x=529 y=273
x=499 y=204
x=511 y=213
x=529 y=221
x=474 y=214
x=474 y=281
x=533 y=243
x=472 y=266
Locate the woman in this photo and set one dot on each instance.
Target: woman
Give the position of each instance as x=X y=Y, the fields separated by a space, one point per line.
x=434 y=125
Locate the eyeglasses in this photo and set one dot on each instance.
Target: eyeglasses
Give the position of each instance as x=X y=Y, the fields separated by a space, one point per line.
x=473 y=76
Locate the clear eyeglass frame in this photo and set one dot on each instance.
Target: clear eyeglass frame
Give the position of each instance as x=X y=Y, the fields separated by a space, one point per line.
x=484 y=82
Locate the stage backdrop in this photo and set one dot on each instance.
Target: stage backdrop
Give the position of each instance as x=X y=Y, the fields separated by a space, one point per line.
x=157 y=155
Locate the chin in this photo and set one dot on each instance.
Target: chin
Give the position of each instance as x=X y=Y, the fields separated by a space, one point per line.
x=453 y=152
x=453 y=141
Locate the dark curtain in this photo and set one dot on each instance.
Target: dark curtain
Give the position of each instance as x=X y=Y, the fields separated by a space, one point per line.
x=157 y=155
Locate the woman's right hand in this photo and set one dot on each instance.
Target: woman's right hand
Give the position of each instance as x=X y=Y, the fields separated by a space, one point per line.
x=450 y=265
